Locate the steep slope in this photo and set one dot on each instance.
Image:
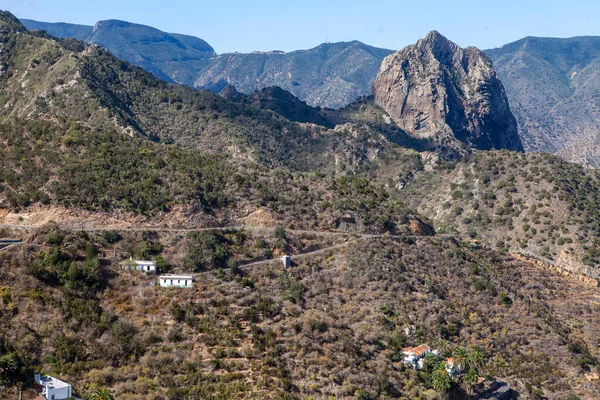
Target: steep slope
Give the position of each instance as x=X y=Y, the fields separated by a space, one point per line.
x=436 y=89
x=330 y=75
x=533 y=204
x=333 y=325
x=280 y=101
x=84 y=129
x=171 y=57
x=552 y=85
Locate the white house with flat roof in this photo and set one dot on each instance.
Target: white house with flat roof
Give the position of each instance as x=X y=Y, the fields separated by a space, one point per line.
x=51 y=388
x=181 y=281
x=148 y=267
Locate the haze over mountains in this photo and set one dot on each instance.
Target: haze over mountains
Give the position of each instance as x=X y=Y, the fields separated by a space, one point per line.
x=172 y=57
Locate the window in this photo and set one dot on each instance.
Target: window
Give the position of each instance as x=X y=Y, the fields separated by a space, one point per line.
x=178 y=281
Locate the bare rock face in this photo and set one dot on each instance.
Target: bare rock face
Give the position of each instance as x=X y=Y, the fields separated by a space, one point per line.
x=435 y=89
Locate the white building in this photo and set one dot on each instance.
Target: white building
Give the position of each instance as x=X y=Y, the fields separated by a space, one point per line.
x=414 y=355
x=452 y=368
x=52 y=389
x=140 y=265
x=287 y=261
x=182 y=281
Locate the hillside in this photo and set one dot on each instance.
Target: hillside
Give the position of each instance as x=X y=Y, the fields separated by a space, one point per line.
x=333 y=325
x=94 y=132
x=280 y=101
x=534 y=204
x=101 y=161
x=87 y=86
x=171 y=57
x=552 y=85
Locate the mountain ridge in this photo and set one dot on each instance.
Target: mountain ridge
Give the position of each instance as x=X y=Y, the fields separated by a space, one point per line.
x=329 y=75
x=552 y=85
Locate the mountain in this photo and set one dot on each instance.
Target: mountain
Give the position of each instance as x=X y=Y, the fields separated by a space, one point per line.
x=330 y=75
x=280 y=101
x=129 y=166
x=436 y=89
x=171 y=57
x=110 y=136
x=60 y=29
x=553 y=86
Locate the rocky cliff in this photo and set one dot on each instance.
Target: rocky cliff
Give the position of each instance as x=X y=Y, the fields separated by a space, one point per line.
x=435 y=89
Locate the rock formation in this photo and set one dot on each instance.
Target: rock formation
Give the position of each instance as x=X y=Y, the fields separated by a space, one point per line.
x=435 y=89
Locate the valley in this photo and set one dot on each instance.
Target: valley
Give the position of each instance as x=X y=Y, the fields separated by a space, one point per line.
x=412 y=216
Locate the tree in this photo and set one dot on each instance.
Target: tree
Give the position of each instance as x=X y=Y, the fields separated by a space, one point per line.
x=477 y=358
x=470 y=378
x=102 y=394
x=443 y=346
x=440 y=379
x=207 y=250
x=461 y=358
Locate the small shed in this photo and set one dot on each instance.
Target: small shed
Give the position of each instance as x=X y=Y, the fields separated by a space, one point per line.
x=181 y=281
x=140 y=265
x=287 y=261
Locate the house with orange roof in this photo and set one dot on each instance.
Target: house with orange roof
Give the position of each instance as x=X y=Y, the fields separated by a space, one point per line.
x=414 y=355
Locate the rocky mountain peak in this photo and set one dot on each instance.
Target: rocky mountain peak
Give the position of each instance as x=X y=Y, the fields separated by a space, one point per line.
x=10 y=24
x=435 y=89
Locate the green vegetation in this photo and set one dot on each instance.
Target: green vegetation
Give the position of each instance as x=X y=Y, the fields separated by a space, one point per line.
x=536 y=204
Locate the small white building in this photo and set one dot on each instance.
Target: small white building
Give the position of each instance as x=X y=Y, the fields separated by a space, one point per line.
x=452 y=368
x=287 y=261
x=181 y=281
x=148 y=267
x=51 y=388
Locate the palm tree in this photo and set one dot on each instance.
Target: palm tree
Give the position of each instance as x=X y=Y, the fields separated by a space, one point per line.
x=440 y=379
x=443 y=346
x=102 y=394
x=477 y=358
x=470 y=378
x=461 y=358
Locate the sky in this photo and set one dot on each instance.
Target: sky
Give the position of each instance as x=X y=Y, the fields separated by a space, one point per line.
x=263 y=25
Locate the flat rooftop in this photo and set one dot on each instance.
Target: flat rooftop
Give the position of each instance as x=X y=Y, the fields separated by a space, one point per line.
x=56 y=383
x=176 y=277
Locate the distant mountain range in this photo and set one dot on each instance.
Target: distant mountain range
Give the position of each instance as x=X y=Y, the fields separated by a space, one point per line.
x=554 y=90
x=171 y=57
x=330 y=75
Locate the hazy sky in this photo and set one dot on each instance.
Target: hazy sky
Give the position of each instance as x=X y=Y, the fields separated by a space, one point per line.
x=247 y=25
